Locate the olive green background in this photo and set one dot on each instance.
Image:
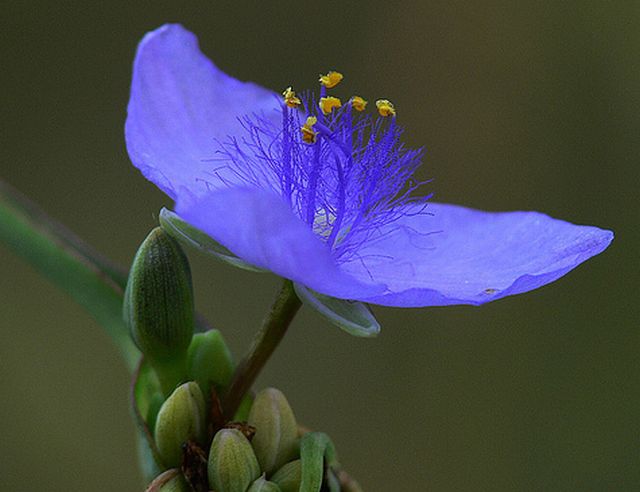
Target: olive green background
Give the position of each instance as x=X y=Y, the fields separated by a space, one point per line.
x=520 y=105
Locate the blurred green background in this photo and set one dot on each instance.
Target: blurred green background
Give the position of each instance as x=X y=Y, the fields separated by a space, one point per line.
x=521 y=105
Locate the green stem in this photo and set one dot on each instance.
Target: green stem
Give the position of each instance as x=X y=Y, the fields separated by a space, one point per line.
x=273 y=329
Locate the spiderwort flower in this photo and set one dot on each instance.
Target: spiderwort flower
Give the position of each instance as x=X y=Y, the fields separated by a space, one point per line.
x=318 y=190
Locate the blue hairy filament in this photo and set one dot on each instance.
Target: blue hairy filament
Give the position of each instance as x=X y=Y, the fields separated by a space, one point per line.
x=354 y=180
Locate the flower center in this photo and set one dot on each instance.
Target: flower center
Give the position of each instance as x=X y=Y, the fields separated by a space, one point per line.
x=342 y=171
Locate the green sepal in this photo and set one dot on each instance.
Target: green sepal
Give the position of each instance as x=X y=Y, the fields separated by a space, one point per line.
x=187 y=234
x=354 y=317
x=316 y=450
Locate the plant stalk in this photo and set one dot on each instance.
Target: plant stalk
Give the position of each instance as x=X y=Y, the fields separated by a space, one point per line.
x=273 y=329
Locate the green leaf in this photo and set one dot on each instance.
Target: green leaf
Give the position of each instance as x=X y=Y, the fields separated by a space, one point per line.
x=315 y=449
x=187 y=234
x=92 y=280
x=354 y=317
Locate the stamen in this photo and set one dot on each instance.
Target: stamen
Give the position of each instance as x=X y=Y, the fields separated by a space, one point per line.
x=358 y=103
x=385 y=108
x=346 y=174
x=331 y=79
x=328 y=104
x=290 y=98
x=308 y=133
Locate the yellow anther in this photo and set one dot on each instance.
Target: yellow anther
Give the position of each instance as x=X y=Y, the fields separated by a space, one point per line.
x=358 y=103
x=290 y=98
x=331 y=79
x=385 y=108
x=308 y=133
x=328 y=104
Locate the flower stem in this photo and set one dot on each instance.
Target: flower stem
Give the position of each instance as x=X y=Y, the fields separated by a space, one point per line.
x=273 y=329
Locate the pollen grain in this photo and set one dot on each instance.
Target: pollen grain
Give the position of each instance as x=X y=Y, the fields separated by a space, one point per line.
x=385 y=107
x=331 y=79
x=328 y=104
x=290 y=98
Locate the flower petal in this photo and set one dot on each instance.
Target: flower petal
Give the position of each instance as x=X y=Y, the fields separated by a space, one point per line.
x=455 y=255
x=260 y=228
x=180 y=105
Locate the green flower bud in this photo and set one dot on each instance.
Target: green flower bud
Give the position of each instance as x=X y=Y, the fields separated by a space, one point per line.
x=176 y=484
x=288 y=477
x=263 y=485
x=181 y=418
x=232 y=463
x=209 y=361
x=158 y=306
x=276 y=439
x=169 y=481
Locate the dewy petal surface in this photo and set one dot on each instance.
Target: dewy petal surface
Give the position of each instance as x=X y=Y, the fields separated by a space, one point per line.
x=457 y=255
x=180 y=105
x=260 y=228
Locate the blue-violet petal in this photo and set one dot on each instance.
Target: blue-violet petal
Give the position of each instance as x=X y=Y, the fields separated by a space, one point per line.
x=449 y=254
x=257 y=226
x=181 y=106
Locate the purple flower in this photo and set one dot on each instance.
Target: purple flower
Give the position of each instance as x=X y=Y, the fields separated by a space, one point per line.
x=330 y=201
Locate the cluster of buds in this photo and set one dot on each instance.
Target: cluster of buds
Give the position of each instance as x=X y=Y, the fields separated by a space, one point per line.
x=259 y=454
x=192 y=445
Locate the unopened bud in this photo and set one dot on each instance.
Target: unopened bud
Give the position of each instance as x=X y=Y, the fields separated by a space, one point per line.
x=158 y=306
x=288 y=477
x=209 y=361
x=232 y=463
x=169 y=481
x=276 y=438
x=263 y=485
x=176 y=484
x=180 y=419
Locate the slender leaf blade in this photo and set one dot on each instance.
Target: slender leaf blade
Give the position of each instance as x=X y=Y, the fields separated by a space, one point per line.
x=91 y=280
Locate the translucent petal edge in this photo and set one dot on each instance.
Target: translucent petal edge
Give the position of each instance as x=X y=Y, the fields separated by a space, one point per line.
x=354 y=317
x=187 y=234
